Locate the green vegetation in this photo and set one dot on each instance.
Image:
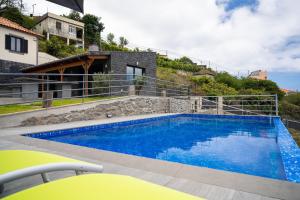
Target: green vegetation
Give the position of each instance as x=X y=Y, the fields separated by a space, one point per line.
x=139 y=83
x=179 y=65
x=290 y=107
x=9 y=9
x=92 y=28
x=55 y=46
x=7 y=109
x=173 y=75
x=225 y=84
x=101 y=83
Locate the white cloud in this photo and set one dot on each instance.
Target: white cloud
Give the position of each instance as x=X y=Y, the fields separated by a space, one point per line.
x=245 y=41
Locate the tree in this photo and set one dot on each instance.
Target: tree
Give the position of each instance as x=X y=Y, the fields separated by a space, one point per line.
x=217 y=89
x=92 y=28
x=14 y=14
x=268 y=86
x=201 y=80
x=110 y=38
x=10 y=3
x=136 y=49
x=123 y=42
x=185 y=60
x=226 y=78
x=73 y=15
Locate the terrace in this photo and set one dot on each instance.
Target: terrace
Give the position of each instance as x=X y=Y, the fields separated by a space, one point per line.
x=156 y=100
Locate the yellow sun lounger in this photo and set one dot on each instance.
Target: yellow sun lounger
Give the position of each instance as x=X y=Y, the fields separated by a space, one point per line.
x=98 y=187
x=16 y=164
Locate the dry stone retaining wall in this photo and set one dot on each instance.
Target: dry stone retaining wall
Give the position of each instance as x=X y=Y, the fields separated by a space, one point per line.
x=134 y=106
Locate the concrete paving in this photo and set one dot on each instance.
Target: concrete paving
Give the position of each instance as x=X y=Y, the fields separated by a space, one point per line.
x=198 y=181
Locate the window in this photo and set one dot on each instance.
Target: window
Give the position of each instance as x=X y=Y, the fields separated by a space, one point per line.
x=16 y=44
x=72 y=30
x=132 y=72
x=58 y=26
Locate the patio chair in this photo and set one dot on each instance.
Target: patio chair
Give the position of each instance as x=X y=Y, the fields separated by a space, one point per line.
x=100 y=186
x=16 y=164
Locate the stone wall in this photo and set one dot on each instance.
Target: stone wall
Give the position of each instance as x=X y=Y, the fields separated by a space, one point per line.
x=180 y=105
x=145 y=60
x=126 y=107
x=12 y=67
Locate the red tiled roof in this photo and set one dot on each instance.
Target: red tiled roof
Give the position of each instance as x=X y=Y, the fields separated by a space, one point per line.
x=13 y=25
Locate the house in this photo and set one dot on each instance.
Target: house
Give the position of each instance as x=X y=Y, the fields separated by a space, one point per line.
x=121 y=66
x=18 y=47
x=69 y=30
x=259 y=74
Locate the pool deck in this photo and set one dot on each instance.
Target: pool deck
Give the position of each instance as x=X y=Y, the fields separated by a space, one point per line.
x=203 y=182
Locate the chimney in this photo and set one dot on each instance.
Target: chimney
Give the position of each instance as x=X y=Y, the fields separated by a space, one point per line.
x=94 y=49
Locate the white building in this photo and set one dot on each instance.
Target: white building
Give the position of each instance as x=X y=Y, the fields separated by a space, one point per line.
x=18 y=46
x=70 y=30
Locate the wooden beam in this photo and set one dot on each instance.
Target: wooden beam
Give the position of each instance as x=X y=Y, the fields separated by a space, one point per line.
x=60 y=66
x=86 y=66
x=98 y=57
x=61 y=72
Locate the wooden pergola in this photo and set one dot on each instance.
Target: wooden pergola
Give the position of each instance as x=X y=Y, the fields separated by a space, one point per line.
x=84 y=60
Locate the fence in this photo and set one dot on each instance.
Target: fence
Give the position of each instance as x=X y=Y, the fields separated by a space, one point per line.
x=292 y=124
x=44 y=88
x=237 y=105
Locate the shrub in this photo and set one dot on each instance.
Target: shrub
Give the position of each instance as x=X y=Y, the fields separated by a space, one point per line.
x=293 y=99
x=101 y=84
x=139 y=83
x=217 y=89
x=290 y=111
x=229 y=80
x=55 y=46
x=178 y=65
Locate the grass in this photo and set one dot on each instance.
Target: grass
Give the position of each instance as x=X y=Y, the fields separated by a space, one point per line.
x=8 y=109
x=296 y=135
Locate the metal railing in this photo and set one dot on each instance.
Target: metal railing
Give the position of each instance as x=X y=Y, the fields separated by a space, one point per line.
x=237 y=105
x=16 y=88
x=291 y=124
x=44 y=89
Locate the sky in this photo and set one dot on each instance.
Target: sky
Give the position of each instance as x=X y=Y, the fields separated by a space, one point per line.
x=237 y=36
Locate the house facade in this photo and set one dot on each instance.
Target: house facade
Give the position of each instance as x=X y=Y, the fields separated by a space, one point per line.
x=69 y=30
x=18 y=47
x=259 y=75
x=122 y=66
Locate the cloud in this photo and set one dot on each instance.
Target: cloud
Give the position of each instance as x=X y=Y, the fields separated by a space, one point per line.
x=238 y=39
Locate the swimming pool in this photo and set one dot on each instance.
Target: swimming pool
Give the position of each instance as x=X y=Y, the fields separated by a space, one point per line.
x=259 y=146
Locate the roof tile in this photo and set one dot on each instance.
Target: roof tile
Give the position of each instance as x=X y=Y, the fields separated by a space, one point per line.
x=13 y=25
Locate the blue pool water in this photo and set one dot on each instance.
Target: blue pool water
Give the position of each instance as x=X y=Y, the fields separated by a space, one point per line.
x=248 y=146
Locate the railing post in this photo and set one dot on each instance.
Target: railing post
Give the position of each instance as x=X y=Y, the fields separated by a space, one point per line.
x=276 y=101
x=131 y=90
x=220 y=106
x=109 y=85
x=164 y=93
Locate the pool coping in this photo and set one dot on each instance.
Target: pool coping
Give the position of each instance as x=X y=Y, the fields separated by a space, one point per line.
x=290 y=152
x=247 y=183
